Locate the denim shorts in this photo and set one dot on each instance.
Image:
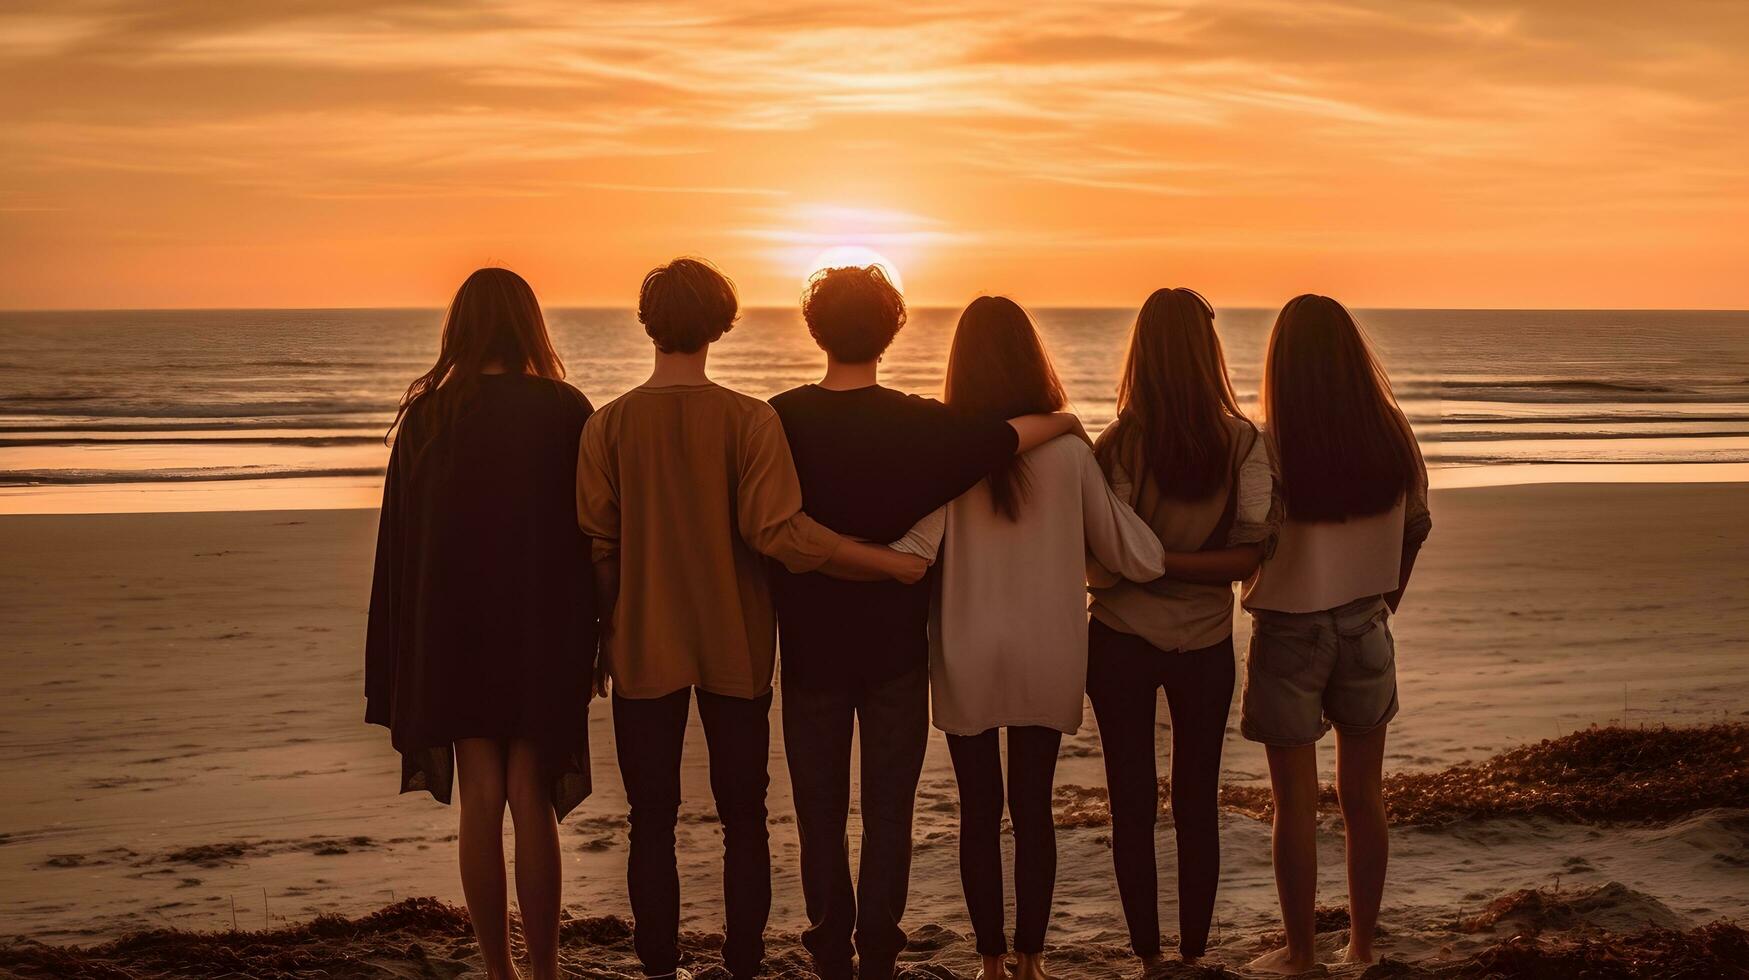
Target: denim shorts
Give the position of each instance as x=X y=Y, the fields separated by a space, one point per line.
x=1308 y=671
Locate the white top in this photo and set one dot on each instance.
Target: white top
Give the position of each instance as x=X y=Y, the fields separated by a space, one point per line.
x=1318 y=566
x=1008 y=627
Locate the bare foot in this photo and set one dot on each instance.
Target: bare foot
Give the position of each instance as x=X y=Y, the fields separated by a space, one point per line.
x=1030 y=966
x=1348 y=954
x=1282 y=964
x=994 y=968
x=1150 y=966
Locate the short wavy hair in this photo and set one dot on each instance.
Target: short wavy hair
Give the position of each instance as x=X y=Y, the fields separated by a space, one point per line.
x=686 y=304
x=853 y=312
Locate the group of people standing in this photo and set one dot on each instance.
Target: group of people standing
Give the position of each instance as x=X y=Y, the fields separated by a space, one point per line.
x=918 y=561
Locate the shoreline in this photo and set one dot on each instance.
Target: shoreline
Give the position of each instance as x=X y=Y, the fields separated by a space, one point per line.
x=365 y=493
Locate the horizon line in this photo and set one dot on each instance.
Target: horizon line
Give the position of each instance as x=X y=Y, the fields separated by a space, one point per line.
x=910 y=306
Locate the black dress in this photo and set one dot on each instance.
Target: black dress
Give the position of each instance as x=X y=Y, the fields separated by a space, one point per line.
x=482 y=610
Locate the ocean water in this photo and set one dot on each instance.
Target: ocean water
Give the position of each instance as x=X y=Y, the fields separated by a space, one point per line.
x=225 y=409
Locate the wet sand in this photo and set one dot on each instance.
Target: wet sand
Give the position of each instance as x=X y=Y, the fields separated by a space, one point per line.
x=181 y=737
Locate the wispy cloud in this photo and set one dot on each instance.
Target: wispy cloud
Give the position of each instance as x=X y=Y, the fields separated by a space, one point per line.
x=696 y=122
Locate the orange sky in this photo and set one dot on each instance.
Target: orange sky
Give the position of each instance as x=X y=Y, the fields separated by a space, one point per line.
x=325 y=153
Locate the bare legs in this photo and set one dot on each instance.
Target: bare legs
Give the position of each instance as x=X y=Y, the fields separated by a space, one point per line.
x=493 y=773
x=1359 y=768
x=1293 y=780
x=1293 y=777
x=480 y=770
x=530 y=791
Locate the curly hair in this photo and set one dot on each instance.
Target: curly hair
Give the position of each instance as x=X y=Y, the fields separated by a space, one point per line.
x=853 y=312
x=686 y=304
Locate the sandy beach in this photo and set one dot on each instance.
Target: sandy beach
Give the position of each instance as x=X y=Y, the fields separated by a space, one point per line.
x=182 y=742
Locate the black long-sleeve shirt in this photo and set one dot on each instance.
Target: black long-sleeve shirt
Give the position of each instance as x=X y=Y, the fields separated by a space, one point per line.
x=872 y=462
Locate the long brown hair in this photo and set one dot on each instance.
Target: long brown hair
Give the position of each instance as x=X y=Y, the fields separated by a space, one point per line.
x=1346 y=449
x=998 y=367
x=1174 y=397
x=494 y=319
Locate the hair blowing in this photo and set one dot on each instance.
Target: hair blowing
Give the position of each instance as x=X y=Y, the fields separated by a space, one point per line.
x=998 y=368
x=493 y=321
x=1174 y=397
x=1346 y=449
x=853 y=312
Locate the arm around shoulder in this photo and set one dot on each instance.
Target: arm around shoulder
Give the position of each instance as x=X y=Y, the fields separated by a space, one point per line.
x=855 y=561
x=1036 y=430
x=768 y=502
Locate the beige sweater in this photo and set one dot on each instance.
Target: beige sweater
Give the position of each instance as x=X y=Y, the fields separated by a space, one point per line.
x=1174 y=615
x=1008 y=628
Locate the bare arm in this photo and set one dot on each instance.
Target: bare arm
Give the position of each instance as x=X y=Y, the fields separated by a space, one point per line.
x=1217 y=566
x=1036 y=430
x=855 y=561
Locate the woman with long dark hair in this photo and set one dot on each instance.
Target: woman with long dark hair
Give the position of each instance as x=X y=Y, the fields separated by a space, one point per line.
x=1008 y=627
x=1322 y=653
x=482 y=636
x=1182 y=453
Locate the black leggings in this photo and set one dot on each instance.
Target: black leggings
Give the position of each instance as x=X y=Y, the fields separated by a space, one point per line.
x=1032 y=769
x=1123 y=672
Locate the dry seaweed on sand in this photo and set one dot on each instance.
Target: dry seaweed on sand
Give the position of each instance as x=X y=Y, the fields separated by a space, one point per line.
x=1598 y=774
x=328 y=945
x=1614 y=774
x=1718 y=951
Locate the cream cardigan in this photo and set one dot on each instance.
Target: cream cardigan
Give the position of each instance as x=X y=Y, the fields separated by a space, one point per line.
x=1008 y=626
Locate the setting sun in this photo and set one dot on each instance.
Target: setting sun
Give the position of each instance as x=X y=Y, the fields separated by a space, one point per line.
x=856 y=255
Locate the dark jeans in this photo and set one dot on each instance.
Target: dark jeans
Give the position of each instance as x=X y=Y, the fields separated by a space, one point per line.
x=649 y=735
x=1032 y=769
x=817 y=722
x=1123 y=673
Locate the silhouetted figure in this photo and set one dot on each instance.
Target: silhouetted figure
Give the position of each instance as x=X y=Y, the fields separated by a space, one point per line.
x=872 y=461
x=687 y=488
x=1186 y=458
x=1008 y=628
x=1321 y=653
x=482 y=632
